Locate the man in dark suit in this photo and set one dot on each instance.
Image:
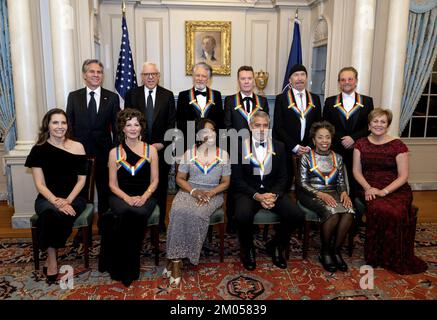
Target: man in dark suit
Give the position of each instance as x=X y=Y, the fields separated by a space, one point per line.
x=239 y=108
x=158 y=106
x=259 y=182
x=348 y=112
x=199 y=102
x=92 y=114
x=295 y=111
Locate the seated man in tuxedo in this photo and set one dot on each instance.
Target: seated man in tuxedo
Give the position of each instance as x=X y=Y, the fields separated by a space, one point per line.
x=199 y=102
x=259 y=180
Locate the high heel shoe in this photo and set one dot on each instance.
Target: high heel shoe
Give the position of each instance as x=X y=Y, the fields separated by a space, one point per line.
x=176 y=274
x=166 y=273
x=51 y=278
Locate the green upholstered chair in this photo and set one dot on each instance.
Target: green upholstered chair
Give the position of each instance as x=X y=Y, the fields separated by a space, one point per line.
x=218 y=218
x=153 y=224
x=84 y=222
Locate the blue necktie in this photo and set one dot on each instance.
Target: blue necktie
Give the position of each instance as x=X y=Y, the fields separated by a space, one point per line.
x=149 y=116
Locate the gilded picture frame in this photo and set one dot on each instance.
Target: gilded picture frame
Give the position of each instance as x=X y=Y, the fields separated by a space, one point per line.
x=210 y=42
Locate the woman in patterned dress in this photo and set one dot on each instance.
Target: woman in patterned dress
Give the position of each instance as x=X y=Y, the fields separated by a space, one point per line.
x=203 y=175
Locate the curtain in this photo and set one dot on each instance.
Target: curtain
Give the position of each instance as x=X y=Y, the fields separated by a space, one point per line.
x=421 y=54
x=7 y=111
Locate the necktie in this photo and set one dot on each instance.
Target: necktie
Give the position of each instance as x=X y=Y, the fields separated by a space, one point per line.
x=149 y=116
x=247 y=103
x=92 y=110
x=197 y=93
x=302 y=108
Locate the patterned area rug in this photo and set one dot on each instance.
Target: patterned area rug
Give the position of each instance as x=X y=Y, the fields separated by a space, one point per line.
x=302 y=280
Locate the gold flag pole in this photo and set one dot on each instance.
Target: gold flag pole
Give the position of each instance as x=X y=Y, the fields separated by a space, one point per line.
x=296 y=16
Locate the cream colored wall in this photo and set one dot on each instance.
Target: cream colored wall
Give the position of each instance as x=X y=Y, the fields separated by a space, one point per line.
x=260 y=37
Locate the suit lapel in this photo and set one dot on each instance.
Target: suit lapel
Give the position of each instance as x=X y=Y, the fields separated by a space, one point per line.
x=83 y=101
x=103 y=103
x=142 y=100
x=354 y=119
x=339 y=113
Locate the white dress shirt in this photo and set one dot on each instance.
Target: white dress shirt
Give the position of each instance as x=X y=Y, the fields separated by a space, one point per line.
x=201 y=100
x=146 y=94
x=250 y=101
x=97 y=95
x=348 y=101
x=260 y=153
x=301 y=104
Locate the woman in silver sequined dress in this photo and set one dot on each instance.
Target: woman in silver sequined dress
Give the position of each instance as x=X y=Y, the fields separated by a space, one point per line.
x=203 y=175
x=322 y=189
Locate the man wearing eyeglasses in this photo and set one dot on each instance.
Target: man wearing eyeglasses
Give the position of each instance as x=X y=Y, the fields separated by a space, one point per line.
x=158 y=106
x=198 y=102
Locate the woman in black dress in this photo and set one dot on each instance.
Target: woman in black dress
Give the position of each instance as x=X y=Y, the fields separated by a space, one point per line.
x=133 y=178
x=59 y=171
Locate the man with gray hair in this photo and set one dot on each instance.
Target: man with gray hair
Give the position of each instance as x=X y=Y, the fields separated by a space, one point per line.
x=260 y=183
x=158 y=106
x=199 y=102
x=92 y=115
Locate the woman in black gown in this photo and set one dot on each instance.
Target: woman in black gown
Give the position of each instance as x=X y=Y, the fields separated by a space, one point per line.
x=59 y=171
x=133 y=178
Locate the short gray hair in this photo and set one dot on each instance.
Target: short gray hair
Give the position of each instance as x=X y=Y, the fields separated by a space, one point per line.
x=205 y=66
x=87 y=62
x=149 y=63
x=259 y=114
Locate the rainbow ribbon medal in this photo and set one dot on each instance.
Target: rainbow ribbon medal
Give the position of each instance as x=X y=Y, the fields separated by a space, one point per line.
x=358 y=104
x=239 y=107
x=327 y=179
x=292 y=104
x=267 y=159
x=209 y=102
x=132 y=169
x=206 y=168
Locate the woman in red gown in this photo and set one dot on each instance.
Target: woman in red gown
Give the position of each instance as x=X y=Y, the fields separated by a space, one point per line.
x=380 y=166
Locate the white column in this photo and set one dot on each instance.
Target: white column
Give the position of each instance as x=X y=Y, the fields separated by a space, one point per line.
x=362 y=47
x=394 y=61
x=62 y=26
x=23 y=72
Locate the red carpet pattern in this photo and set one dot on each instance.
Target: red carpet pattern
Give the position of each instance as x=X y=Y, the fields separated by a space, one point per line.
x=211 y=280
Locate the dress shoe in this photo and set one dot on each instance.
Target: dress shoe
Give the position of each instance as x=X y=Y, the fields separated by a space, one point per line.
x=51 y=278
x=249 y=260
x=339 y=262
x=327 y=262
x=176 y=274
x=277 y=255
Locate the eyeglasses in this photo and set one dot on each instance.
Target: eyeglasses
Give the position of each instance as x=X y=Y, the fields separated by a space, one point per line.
x=151 y=74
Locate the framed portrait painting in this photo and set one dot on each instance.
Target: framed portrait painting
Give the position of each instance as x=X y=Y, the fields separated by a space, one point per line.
x=210 y=42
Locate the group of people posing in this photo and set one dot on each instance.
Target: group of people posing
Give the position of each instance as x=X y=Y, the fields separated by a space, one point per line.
x=342 y=153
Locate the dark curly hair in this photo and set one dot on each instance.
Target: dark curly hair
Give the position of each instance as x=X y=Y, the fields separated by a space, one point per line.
x=44 y=133
x=322 y=125
x=200 y=124
x=126 y=115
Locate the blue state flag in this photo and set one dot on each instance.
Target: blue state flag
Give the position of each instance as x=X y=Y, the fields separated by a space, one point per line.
x=125 y=78
x=295 y=56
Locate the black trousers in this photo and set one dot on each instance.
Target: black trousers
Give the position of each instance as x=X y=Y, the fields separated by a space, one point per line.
x=102 y=183
x=54 y=227
x=122 y=235
x=246 y=208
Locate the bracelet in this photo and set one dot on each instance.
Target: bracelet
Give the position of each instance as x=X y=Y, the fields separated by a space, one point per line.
x=192 y=190
x=385 y=191
x=149 y=190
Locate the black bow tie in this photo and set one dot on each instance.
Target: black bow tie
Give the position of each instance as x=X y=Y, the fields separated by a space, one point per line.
x=202 y=93
x=262 y=144
x=248 y=99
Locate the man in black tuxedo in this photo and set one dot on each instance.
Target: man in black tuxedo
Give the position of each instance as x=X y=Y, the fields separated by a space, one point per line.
x=238 y=110
x=296 y=109
x=158 y=106
x=92 y=114
x=199 y=102
x=260 y=178
x=348 y=112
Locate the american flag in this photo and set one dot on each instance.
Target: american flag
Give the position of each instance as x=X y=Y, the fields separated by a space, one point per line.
x=125 y=78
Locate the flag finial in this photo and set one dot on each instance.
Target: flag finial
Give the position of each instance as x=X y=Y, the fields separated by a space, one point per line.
x=123 y=7
x=296 y=16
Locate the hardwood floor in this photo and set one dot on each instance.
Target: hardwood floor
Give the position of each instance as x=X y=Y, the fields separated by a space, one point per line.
x=426 y=201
